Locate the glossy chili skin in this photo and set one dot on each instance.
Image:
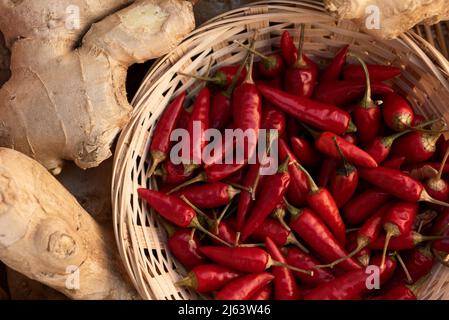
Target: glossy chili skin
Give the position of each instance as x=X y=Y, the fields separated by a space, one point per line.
x=325 y=143
x=368 y=120
x=273 y=229
x=170 y=207
x=210 y=195
x=273 y=118
x=363 y=255
x=394 y=182
x=415 y=147
x=376 y=72
x=305 y=152
x=272 y=67
x=217 y=172
x=288 y=49
x=299 y=185
x=183 y=120
x=361 y=207
x=300 y=79
x=398 y=292
x=352 y=285
x=372 y=228
x=299 y=259
x=245 y=201
x=343 y=183
x=344 y=92
x=250 y=260
x=211 y=277
x=437 y=189
x=272 y=190
x=224 y=231
x=185 y=248
x=322 y=116
x=243 y=288
x=397 y=112
x=379 y=148
x=262 y=294
x=402 y=215
x=328 y=166
x=285 y=287
x=225 y=74
x=174 y=173
x=220 y=110
x=316 y=234
x=406 y=241
x=394 y=163
x=419 y=262
x=334 y=69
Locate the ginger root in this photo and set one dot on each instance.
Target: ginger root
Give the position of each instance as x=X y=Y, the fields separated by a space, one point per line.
x=47 y=236
x=395 y=17
x=66 y=98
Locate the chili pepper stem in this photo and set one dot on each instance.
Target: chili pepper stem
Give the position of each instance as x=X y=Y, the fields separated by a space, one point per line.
x=404 y=267
x=197 y=225
x=222 y=214
x=351 y=127
x=367 y=101
x=197 y=77
x=251 y=245
x=237 y=238
x=293 y=211
x=427 y=198
x=291 y=239
x=300 y=63
x=199 y=178
x=279 y=215
x=443 y=163
x=331 y=265
x=188 y=168
x=236 y=77
x=313 y=186
x=189 y=281
x=257 y=53
x=157 y=157
x=197 y=210
x=239 y=186
x=391 y=231
x=276 y=263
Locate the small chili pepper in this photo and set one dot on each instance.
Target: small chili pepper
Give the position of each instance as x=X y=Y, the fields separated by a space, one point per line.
x=262 y=294
x=280 y=235
x=273 y=118
x=184 y=246
x=363 y=206
x=395 y=163
x=352 y=285
x=288 y=49
x=245 y=259
x=398 y=292
x=367 y=115
x=300 y=78
x=397 y=112
x=327 y=167
x=285 y=287
x=398 y=184
x=160 y=141
x=251 y=180
x=376 y=72
x=299 y=185
x=333 y=71
x=436 y=187
x=172 y=174
x=223 y=76
x=404 y=242
x=398 y=220
x=322 y=203
x=317 y=235
x=379 y=148
x=208 y=278
x=305 y=152
x=342 y=93
x=271 y=192
x=300 y=259
x=415 y=147
x=224 y=231
x=343 y=181
x=211 y=195
x=364 y=255
x=243 y=288
x=418 y=263
x=322 y=116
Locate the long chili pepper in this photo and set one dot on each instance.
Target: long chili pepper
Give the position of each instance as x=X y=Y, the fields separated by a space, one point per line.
x=341 y=93
x=172 y=174
x=220 y=110
x=271 y=192
x=334 y=69
x=404 y=242
x=436 y=187
x=251 y=180
x=395 y=163
x=398 y=184
x=243 y=288
x=300 y=259
x=364 y=205
x=184 y=246
x=223 y=76
x=208 y=278
x=262 y=294
x=320 y=115
x=397 y=112
x=327 y=167
x=418 y=263
x=285 y=287
x=367 y=234
x=160 y=142
x=245 y=259
x=367 y=114
x=175 y=210
x=398 y=220
x=317 y=235
x=364 y=255
x=343 y=181
x=211 y=195
x=288 y=50
x=400 y=291
x=305 y=152
x=299 y=185
x=300 y=78
x=352 y=285
x=376 y=72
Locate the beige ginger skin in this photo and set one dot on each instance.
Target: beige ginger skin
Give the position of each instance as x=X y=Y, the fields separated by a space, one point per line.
x=66 y=97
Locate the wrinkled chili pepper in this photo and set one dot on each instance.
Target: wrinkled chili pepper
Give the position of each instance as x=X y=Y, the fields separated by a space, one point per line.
x=361 y=207
x=184 y=245
x=172 y=174
x=334 y=69
x=437 y=187
x=244 y=287
x=211 y=195
x=403 y=242
x=397 y=112
x=278 y=233
x=415 y=147
x=288 y=50
x=398 y=292
x=376 y=72
x=418 y=263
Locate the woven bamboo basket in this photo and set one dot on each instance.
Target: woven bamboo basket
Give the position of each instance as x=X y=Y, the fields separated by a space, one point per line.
x=141 y=242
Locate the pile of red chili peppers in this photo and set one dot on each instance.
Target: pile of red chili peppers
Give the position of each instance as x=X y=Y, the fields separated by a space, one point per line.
x=362 y=180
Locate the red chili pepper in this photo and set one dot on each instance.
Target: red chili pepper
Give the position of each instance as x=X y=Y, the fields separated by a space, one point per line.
x=316 y=234
x=270 y=66
x=293 y=127
x=245 y=199
x=322 y=116
x=273 y=118
x=224 y=231
x=333 y=71
x=350 y=137
x=352 y=285
x=436 y=187
x=344 y=181
x=327 y=167
x=220 y=110
x=237 y=177
x=208 y=278
x=211 y=195
x=288 y=48
x=300 y=259
x=404 y=242
x=271 y=192
x=344 y=92
x=277 y=232
x=305 y=152
x=364 y=205
x=415 y=147
x=398 y=292
x=262 y=294
x=397 y=112
x=172 y=174
x=418 y=263
x=300 y=78
x=364 y=255
x=299 y=185
x=243 y=288
x=441 y=247
x=184 y=245
x=160 y=141
x=425 y=170
x=379 y=148
x=183 y=121
x=367 y=115
x=376 y=72
x=395 y=163
x=285 y=287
